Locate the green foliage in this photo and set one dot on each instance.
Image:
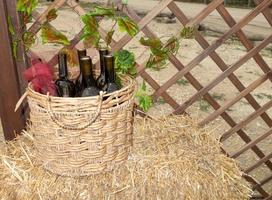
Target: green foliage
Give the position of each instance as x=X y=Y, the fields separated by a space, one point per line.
x=188 y=32
x=145 y=100
x=26 y=6
x=10 y=26
x=109 y=37
x=91 y=34
x=125 y=24
x=102 y=12
x=52 y=14
x=52 y=35
x=125 y=62
x=28 y=39
x=159 y=53
x=90 y=30
x=13 y=35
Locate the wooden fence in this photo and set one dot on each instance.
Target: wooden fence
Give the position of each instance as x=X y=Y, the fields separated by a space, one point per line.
x=209 y=50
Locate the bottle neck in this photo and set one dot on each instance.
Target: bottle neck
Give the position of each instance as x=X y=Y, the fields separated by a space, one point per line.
x=111 y=73
x=102 y=53
x=63 y=70
x=87 y=73
x=109 y=64
x=80 y=54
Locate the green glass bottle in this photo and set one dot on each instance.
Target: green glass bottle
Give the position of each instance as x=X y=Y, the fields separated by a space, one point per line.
x=101 y=81
x=78 y=82
x=65 y=87
x=110 y=74
x=88 y=82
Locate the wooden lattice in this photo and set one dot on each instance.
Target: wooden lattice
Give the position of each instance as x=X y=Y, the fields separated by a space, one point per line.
x=235 y=28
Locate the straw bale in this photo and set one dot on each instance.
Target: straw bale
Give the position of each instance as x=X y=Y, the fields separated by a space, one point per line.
x=171 y=158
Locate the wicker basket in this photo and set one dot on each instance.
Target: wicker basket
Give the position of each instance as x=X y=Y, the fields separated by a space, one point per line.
x=82 y=136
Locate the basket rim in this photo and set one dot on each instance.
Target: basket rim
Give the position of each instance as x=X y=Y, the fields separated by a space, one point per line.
x=131 y=83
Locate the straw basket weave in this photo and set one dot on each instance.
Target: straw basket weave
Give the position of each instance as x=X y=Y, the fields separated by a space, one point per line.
x=82 y=136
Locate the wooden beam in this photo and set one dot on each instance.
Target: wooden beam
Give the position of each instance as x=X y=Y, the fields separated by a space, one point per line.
x=9 y=82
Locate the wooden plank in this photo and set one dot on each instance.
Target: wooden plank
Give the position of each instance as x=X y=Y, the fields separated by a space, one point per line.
x=243 y=123
x=251 y=144
x=9 y=82
x=230 y=103
x=259 y=163
x=21 y=59
x=225 y=74
x=214 y=46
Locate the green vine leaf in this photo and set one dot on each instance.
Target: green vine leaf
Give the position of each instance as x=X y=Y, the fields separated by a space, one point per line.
x=90 y=34
x=14 y=40
x=151 y=42
x=10 y=26
x=52 y=35
x=125 y=24
x=109 y=37
x=145 y=100
x=159 y=53
x=156 y=62
x=172 y=45
x=188 y=32
x=14 y=48
x=26 y=6
x=101 y=11
x=28 y=39
x=52 y=14
x=125 y=62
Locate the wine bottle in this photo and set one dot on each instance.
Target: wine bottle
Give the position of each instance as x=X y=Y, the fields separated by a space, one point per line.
x=65 y=87
x=110 y=73
x=78 y=82
x=101 y=81
x=89 y=85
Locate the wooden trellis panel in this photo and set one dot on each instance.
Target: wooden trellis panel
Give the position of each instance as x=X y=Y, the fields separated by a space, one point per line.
x=209 y=50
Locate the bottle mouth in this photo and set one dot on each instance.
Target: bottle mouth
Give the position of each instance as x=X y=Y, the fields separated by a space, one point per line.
x=85 y=58
x=108 y=56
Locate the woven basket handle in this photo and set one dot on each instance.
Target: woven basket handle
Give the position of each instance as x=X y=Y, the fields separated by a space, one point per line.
x=54 y=118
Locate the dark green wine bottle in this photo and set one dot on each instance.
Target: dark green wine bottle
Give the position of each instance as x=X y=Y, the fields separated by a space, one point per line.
x=89 y=85
x=101 y=81
x=65 y=87
x=78 y=82
x=110 y=74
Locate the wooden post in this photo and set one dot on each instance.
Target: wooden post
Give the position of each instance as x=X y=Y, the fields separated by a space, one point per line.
x=21 y=59
x=9 y=82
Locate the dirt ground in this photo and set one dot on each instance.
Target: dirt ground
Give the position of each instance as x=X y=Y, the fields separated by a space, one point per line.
x=205 y=72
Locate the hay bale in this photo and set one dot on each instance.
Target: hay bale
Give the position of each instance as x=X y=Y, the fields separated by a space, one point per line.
x=171 y=159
